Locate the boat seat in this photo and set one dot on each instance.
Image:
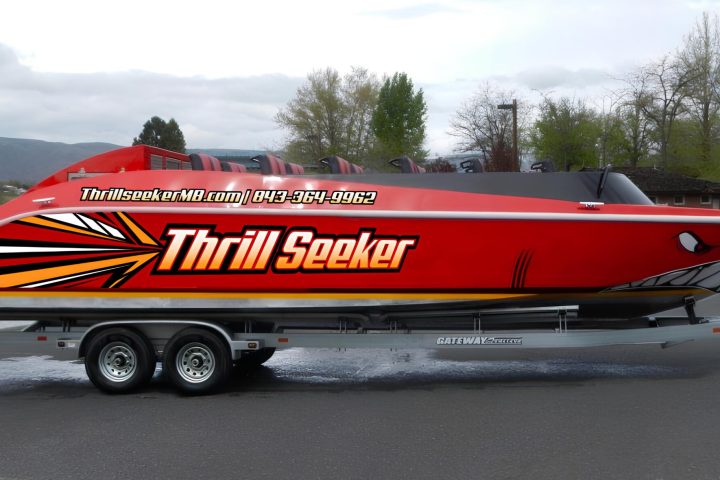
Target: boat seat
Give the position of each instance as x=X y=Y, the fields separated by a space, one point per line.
x=294 y=168
x=271 y=164
x=233 y=167
x=203 y=161
x=473 y=165
x=341 y=166
x=406 y=165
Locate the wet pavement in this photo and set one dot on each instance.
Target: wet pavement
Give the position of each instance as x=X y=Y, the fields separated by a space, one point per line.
x=613 y=412
x=638 y=412
x=301 y=369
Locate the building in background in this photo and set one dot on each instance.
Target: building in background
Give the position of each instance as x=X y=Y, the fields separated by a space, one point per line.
x=667 y=188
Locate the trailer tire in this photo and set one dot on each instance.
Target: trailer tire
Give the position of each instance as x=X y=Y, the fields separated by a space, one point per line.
x=255 y=358
x=119 y=360
x=197 y=361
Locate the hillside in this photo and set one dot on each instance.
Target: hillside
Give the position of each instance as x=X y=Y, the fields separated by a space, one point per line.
x=29 y=161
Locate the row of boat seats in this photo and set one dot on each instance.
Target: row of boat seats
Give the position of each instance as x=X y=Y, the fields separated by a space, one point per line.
x=473 y=165
x=341 y=166
x=406 y=165
x=274 y=165
x=203 y=161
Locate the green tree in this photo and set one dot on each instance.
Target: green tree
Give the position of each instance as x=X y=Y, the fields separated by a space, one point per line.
x=399 y=119
x=158 y=133
x=330 y=115
x=685 y=148
x=567 y=132
x=612 y=144
x=360 y=93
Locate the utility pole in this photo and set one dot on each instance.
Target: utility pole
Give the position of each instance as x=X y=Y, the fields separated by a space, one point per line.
x=513 y=106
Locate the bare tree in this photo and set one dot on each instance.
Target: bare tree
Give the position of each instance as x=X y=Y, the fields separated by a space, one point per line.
x=700 y=58
x=633 y=124
x=635 y=130
x=610 y=133
x=661 y=93
x=481 y=127
x=440 y=165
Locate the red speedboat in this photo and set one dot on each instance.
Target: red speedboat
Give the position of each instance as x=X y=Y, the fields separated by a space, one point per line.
x=145 y=233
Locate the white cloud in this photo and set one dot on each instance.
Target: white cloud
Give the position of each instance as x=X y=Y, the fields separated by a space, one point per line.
x=414 y=11
x=548 y=77
x=232 y=112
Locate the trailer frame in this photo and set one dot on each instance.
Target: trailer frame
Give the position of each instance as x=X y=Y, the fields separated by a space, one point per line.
x=69 y=342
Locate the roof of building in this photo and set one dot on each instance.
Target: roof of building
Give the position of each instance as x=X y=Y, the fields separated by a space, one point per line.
x=658 y=182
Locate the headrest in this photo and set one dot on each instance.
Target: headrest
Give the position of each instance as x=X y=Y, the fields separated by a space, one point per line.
x=406 y=165
x=203 y=161
x=341 y=166
x=271 y=164
x=233 y=167
x=473 y=165
x=294 y=168
x=544 y=166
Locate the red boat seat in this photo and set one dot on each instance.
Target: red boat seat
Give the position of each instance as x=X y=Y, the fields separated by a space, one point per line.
x=406 y=165
x=294 y=168
x=271 y=164
x=202 y=161
x=341 y=166
x=474 y=165
x=233 y=167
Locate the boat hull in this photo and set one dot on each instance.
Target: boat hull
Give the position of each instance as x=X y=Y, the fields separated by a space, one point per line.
x=134 y=260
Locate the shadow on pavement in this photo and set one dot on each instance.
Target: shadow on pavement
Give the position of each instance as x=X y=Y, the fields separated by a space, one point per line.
x=332 y=370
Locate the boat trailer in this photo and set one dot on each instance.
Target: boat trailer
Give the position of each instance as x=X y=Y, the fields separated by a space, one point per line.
x=212 y=343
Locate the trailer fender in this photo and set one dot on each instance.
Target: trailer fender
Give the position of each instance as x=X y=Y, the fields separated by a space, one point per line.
x=90 y=332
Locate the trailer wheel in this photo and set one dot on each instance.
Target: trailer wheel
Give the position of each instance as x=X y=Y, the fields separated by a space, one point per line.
x=255 y=358
x=197 y=361
x=119 y=360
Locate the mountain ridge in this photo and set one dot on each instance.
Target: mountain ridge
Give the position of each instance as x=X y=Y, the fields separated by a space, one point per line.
x=30 y=160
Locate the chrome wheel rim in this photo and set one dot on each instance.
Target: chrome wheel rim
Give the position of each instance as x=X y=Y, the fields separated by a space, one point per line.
x=195 y=362
x=118 y=362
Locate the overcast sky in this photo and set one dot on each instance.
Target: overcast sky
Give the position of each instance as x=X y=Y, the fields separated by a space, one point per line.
x=75 y=71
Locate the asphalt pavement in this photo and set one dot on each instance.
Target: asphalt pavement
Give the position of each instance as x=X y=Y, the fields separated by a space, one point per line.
x=617 y=412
